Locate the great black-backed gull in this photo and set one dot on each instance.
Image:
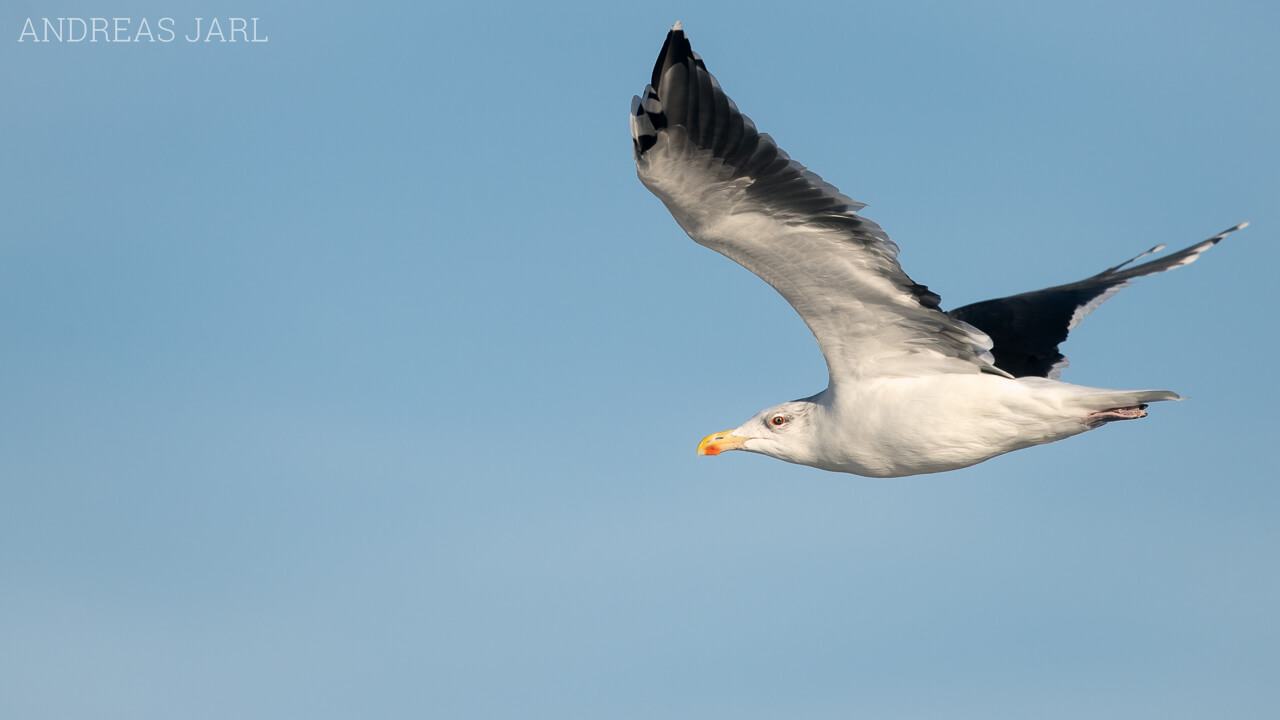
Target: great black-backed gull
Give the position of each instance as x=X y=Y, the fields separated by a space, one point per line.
x=913 y=389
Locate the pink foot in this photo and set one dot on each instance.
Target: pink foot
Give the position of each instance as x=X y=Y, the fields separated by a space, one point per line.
x=1102 y=417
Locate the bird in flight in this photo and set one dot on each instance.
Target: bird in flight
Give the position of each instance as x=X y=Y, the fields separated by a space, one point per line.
x=913 y=389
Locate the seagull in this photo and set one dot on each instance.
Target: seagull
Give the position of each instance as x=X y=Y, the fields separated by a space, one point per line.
x=913 y=389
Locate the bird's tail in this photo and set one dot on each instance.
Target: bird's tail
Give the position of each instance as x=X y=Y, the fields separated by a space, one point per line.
x=1104 y=406
x=1136 y=397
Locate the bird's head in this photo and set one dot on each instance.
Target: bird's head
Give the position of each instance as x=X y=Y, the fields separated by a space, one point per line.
x=784 y=431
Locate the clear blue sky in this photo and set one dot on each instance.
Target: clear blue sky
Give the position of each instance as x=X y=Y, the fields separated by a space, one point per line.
x=354 y=374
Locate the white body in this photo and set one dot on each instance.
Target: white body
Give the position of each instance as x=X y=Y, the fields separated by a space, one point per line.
x=891 y=427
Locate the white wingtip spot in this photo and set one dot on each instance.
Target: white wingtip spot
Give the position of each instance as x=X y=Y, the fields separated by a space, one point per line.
x=1230 y=230
x=1152 y=251
x=677 y=27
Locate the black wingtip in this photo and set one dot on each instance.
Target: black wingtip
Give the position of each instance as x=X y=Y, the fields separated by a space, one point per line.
x=1229 y=230
x=675 y=50
x=1218 y=238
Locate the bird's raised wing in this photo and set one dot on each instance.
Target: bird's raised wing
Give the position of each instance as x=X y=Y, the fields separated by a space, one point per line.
x=735 y=191
x=1027 y=328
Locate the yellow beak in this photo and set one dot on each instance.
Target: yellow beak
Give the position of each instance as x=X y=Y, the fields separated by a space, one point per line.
x=716 y=443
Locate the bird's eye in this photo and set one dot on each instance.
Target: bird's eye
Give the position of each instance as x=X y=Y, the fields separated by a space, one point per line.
x=778 y=420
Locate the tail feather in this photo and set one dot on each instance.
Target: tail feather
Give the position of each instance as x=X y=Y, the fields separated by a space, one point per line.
x=1107 y=399
x=1106 y=406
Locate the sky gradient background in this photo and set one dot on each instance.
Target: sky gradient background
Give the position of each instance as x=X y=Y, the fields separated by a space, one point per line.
x=354 y=374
